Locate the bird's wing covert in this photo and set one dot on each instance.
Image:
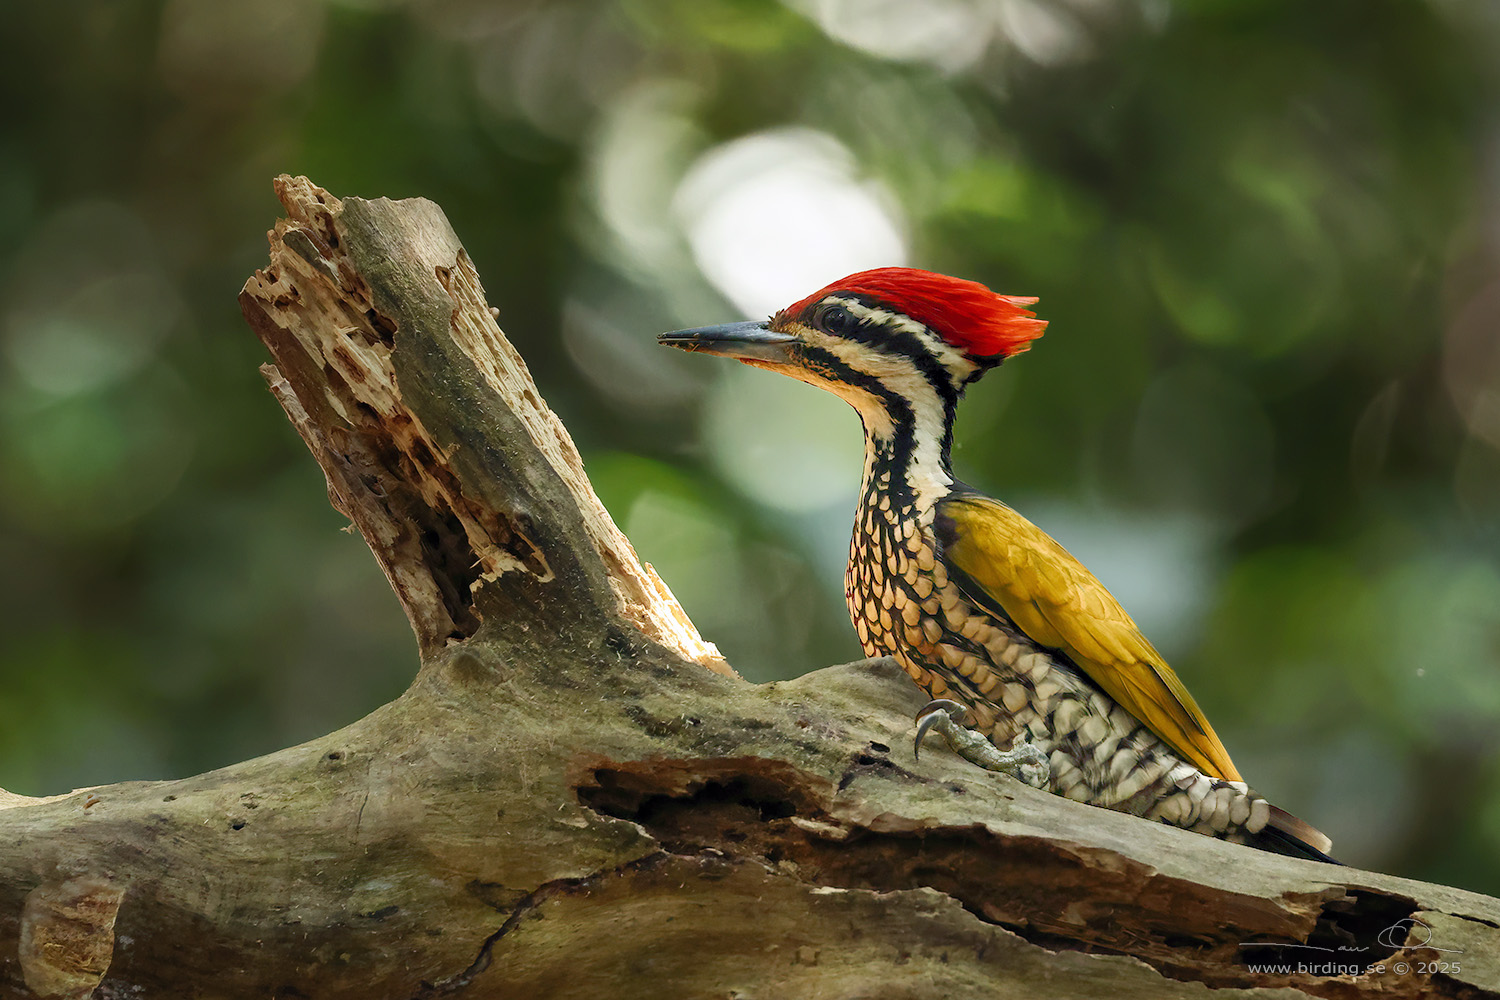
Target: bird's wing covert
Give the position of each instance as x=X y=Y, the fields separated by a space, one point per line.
x=1058 y=603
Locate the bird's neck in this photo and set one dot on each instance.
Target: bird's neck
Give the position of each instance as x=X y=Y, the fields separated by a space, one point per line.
x=907 y=464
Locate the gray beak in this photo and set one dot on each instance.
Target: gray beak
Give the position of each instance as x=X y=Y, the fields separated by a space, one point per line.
x=748 y=341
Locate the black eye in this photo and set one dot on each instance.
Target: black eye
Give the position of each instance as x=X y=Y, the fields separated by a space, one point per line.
x=837 y=320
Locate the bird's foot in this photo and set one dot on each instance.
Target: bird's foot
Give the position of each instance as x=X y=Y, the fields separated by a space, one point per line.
x=1023 y=761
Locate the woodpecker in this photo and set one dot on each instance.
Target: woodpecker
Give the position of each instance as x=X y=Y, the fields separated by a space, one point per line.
x=1005 y=630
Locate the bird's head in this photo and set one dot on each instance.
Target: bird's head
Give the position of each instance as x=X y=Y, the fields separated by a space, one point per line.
x=881 y=334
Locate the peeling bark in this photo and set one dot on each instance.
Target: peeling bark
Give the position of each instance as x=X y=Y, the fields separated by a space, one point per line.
x=566 y=803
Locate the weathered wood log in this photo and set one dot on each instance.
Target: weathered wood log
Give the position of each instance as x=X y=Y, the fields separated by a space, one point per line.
x=576 y=797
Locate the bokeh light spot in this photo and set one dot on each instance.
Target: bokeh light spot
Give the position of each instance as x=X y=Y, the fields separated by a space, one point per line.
x=101 y=332
x=950 y=34
x=640 y=149
x=1045 y=32
x=773 y=216
x=782 y=443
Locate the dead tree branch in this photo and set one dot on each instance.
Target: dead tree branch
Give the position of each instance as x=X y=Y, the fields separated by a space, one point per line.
x=566 y=803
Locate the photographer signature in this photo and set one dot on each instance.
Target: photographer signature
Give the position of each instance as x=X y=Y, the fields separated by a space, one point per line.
x=1408 y=932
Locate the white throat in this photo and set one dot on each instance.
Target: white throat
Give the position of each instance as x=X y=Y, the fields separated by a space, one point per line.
x=921 y=463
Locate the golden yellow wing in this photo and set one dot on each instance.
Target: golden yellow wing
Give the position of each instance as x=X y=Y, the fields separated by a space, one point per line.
x=1059 y=604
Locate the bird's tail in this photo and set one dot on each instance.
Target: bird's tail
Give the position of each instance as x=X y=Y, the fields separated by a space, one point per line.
x=1286 y=834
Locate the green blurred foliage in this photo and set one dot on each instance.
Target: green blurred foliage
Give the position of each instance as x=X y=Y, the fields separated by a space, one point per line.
x=1267 y=411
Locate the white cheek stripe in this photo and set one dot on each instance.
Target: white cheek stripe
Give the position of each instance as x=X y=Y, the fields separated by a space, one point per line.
x=951 y=358
x=929 y=479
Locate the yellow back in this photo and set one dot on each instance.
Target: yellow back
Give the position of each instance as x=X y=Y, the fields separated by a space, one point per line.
x=1059 y=604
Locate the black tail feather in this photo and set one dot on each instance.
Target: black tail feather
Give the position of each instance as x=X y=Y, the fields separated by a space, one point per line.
x=1288 y=835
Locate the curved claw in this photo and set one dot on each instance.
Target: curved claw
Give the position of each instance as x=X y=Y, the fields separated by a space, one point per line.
x=928 y=716
x=1023 y=761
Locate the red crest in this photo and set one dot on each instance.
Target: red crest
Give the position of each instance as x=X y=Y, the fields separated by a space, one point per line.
x=966 y=314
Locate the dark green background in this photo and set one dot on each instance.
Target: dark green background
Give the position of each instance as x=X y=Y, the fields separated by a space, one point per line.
x=1267 y=411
